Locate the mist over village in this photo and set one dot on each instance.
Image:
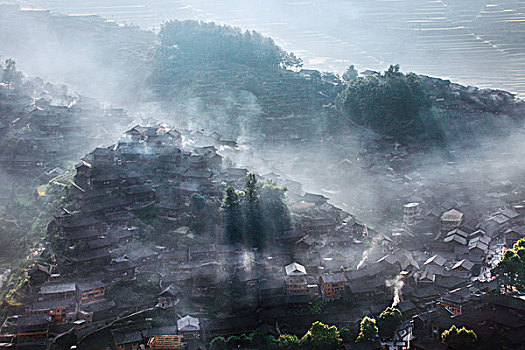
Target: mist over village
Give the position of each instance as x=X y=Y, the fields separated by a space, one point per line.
x=199 y=174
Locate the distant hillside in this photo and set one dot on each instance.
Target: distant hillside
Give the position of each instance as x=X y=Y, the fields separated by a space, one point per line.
x=221 y=65
x=241 y=84
x=94 y=56
x=267 y=95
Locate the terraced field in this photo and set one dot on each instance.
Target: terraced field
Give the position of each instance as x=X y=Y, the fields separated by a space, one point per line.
x=477 y=42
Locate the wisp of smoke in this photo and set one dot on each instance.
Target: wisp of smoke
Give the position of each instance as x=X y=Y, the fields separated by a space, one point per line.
x=397 y=285
x=366 y=252
x=247 y=258
x=363 y=259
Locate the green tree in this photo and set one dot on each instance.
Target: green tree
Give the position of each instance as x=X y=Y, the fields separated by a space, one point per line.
x=367 y=330
x=392 y=103
x=197 y=203
x=270 y=343
x=322 y=337
x=388 y=321
x=511 y=268
x=245 y=341
x=218 y=343
x=232 y=208
x=254 y=225
x=289 y=60
x=274 y=209
x=289 y=341
x=10 y=75
x=201 y=217
x=330 y=77
x=347 y=335
x=233 y=342
x=251 y=189
x=205 y=42
x=350 y=74
x=459 y=338
x=262 y=341
x=258 y=338
x=393 y=71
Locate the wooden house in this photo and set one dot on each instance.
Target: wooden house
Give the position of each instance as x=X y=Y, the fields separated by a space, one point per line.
x=461 y=300
x=317 y=199
x=121 y=268
x=296 y=279
x=451 y=219
x=269 y=288
x=83 y=175
x=427 y=277
x=127 y=339
x=514 y=216
x=479 y=245
x=139 y=193
x=172 y=210
x=202 y=252
x=370 y=289
x=91 y=291
x=189 y=327
x=513 y=235
x=248 y=281
x=136 y=133
x=435 y=260
x=100 y=309
x=168 y=296
x=456 y=237
x=105 y=178
x=38 y=275
x=142 y=255
x=496 y=225
x=56 y=309
x=428 y=327
x=333 y=285
x=51 y=291
x=165 y=342
x=463 y=265
x=91 y=259
x=32 y=327
x=205 y=279
x=103 y=156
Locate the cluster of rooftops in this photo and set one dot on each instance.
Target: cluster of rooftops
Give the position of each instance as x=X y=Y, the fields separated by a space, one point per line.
x=322 y=256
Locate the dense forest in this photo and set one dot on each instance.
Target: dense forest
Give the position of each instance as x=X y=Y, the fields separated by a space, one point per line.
x=391 y=103
x=202 y=42
x=233 y=80
x=255 y=214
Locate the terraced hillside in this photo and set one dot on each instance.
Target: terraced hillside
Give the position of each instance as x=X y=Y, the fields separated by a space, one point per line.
x=474 y=42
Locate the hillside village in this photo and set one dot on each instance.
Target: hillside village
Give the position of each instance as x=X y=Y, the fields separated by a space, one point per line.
x=115 y=279
x=137 y=253
x=43 y=126
x=281 y=212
